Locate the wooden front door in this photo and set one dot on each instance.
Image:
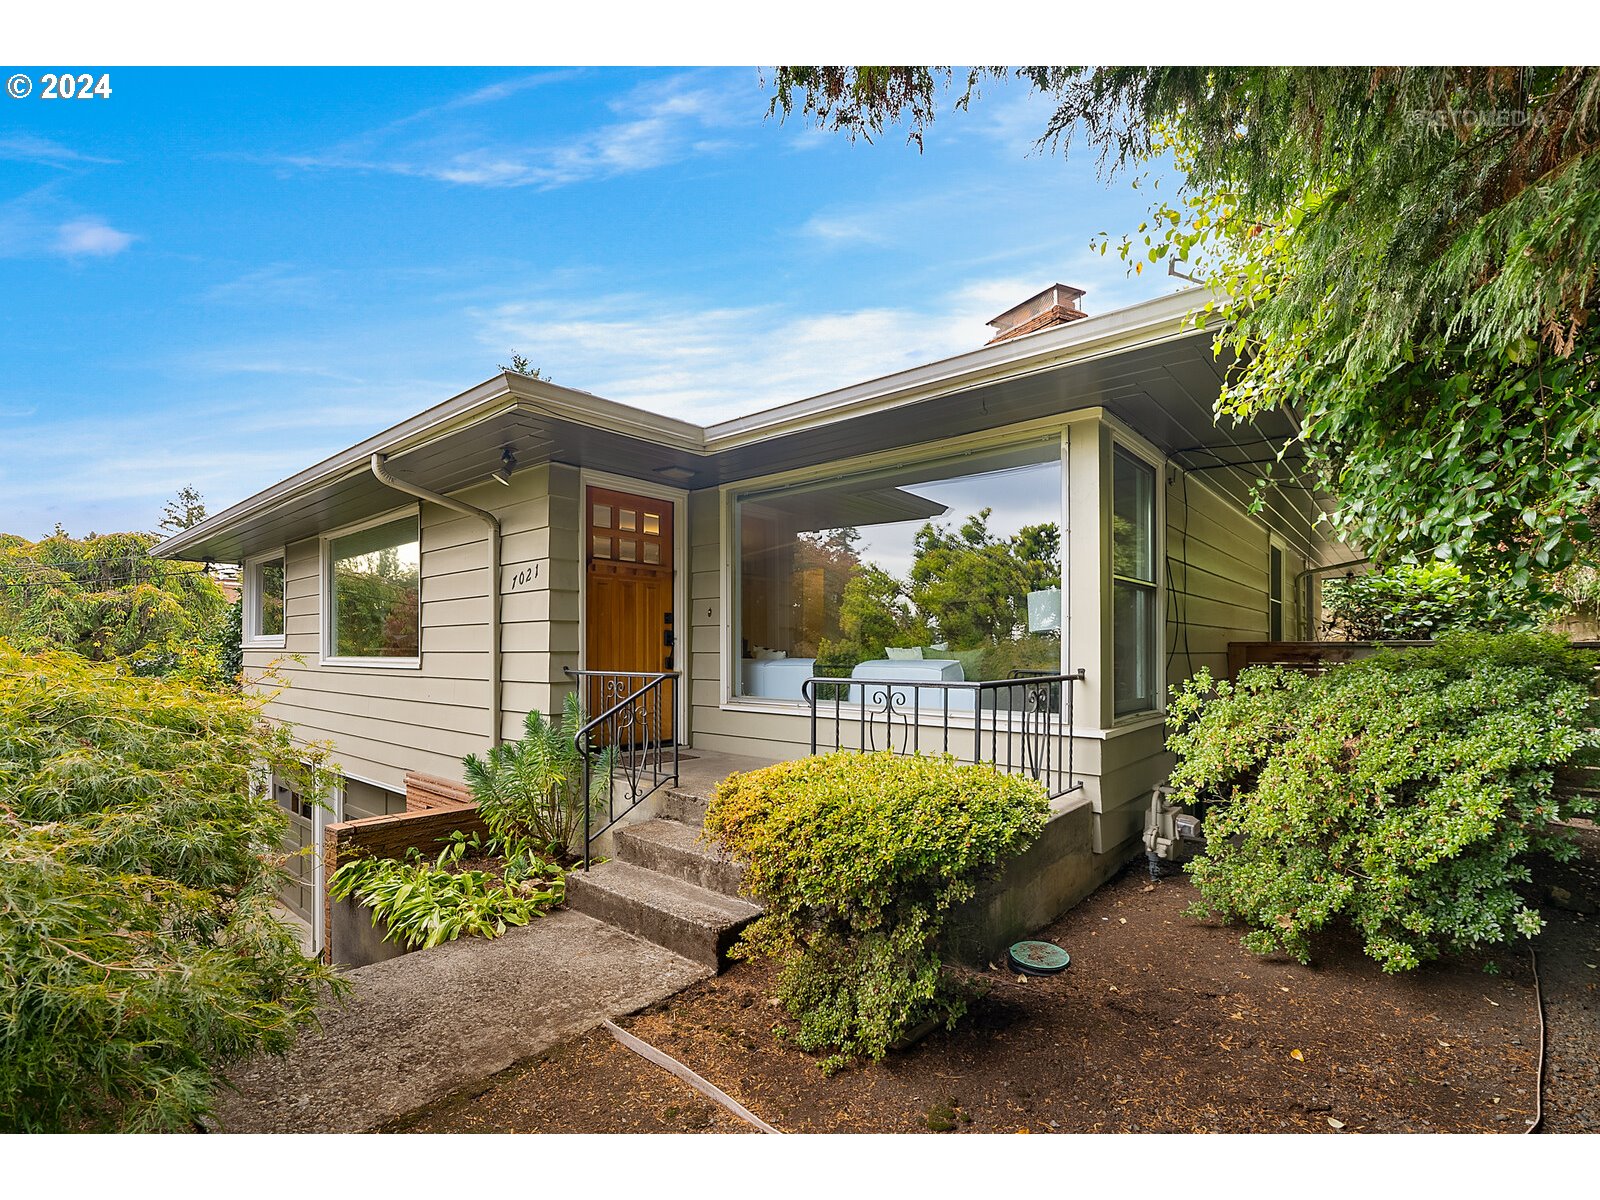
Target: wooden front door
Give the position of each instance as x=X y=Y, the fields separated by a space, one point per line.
x=629 y=552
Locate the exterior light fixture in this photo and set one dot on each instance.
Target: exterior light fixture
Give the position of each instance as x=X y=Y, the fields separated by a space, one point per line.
x=508 y=464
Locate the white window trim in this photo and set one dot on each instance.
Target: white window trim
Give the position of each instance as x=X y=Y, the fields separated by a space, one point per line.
x=1286 y=628
x=1139 y=449
x=252 y=638
x=325 y=592
x=1038 y=430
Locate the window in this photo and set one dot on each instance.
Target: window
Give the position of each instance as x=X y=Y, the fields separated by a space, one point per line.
x=373 y=579
x=1133 y=584
x=264 y=597
x=946 y=569
x=1275 y=595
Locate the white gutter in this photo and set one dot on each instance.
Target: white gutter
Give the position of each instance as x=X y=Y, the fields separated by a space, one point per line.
x=493 y=522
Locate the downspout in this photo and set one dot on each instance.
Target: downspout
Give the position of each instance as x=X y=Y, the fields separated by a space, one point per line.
x=493 y=522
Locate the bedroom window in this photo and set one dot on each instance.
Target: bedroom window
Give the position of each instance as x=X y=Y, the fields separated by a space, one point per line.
x=264 y=600
x=373 y=585
x=945 y=569
x=1133 y=584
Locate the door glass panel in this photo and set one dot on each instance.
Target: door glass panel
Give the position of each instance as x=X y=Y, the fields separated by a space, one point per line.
x=602 y=516
x=652 y=552
x=652 y=523
x=625 y=519
x=602 y=547
x=625 y=549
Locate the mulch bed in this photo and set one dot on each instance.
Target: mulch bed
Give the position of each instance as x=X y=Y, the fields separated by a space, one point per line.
x=1161 y=1024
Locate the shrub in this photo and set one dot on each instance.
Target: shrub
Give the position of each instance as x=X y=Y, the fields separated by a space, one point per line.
x=1412 y=603
x=140 y=951
x=859 y=859
x=1402 y=793
x=531 y=790
x=425 y=903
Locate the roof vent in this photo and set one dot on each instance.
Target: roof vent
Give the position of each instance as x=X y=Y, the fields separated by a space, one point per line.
x=1056 y=305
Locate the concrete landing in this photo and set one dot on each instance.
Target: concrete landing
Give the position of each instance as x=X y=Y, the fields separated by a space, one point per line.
x=422 y=1027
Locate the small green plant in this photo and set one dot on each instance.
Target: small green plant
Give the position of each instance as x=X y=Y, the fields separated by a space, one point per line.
x=859 y=860
x=1412 y=603
x=532 y=790
x=1402 y=793
x=424 y=902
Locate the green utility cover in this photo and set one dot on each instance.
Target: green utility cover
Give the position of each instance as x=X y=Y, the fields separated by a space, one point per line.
x=1039 y=958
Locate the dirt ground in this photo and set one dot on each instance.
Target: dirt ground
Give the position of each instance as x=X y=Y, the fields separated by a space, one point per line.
x=1161 y=1024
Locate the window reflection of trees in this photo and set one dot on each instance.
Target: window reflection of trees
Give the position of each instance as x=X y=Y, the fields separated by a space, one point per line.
x=376 y=611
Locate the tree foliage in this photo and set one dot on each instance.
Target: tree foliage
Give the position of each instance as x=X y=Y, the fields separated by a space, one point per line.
x=140 y=948
x=184 y=511
x=1402 y=794
x=967 y=589
x=106 y=598
x=1404 y=256
x=1405 y=603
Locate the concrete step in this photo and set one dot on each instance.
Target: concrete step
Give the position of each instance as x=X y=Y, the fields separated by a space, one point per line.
x=687 y=919
x=685 y=806
x=675 y=849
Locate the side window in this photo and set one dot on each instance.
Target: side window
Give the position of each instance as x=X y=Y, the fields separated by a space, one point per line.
x=264 y=600
x=1133 y=584
x=1275 y=596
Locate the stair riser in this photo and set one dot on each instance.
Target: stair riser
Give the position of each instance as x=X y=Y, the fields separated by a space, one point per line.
x=711 y=873
x=685 y=807
x=699 y=943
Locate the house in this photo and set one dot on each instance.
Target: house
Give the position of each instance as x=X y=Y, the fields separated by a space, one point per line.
x=1010 y=553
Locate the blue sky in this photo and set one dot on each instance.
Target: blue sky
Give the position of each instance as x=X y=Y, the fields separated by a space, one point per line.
x=218 y=277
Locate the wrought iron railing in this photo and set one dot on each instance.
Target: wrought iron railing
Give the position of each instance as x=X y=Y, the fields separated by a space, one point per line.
x=630 y=739
x=1022 y=725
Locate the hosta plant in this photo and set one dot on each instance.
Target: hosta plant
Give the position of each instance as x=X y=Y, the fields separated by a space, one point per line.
x=1403 y=794
x=424 y=903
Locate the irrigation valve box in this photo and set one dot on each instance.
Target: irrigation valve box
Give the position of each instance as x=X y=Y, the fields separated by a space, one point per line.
x=1172 y=833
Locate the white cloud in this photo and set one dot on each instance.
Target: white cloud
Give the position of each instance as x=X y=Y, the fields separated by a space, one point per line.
x=90 y=236
x=657 y=124
x=28 y=148
x=708 y=365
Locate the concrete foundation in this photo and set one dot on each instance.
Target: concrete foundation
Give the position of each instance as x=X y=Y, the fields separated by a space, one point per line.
x=1036 y=887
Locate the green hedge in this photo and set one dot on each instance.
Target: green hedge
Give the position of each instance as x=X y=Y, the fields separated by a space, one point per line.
x=858 y=860
x=1402 y=793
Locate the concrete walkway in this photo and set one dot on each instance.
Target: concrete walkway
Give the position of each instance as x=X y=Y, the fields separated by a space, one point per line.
x=426 y=1025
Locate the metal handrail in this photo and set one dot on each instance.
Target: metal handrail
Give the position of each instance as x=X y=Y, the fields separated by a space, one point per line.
x=892 y=708
x=639 y=712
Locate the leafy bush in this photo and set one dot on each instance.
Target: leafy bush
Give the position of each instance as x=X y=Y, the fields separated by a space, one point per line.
x=859 y=859
x=140 y=950
x=531 y=791
x=424 y=904
x=1402 y=793
x=1412 y=603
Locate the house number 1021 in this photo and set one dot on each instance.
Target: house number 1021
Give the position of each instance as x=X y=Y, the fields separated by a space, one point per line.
x=525 y=576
